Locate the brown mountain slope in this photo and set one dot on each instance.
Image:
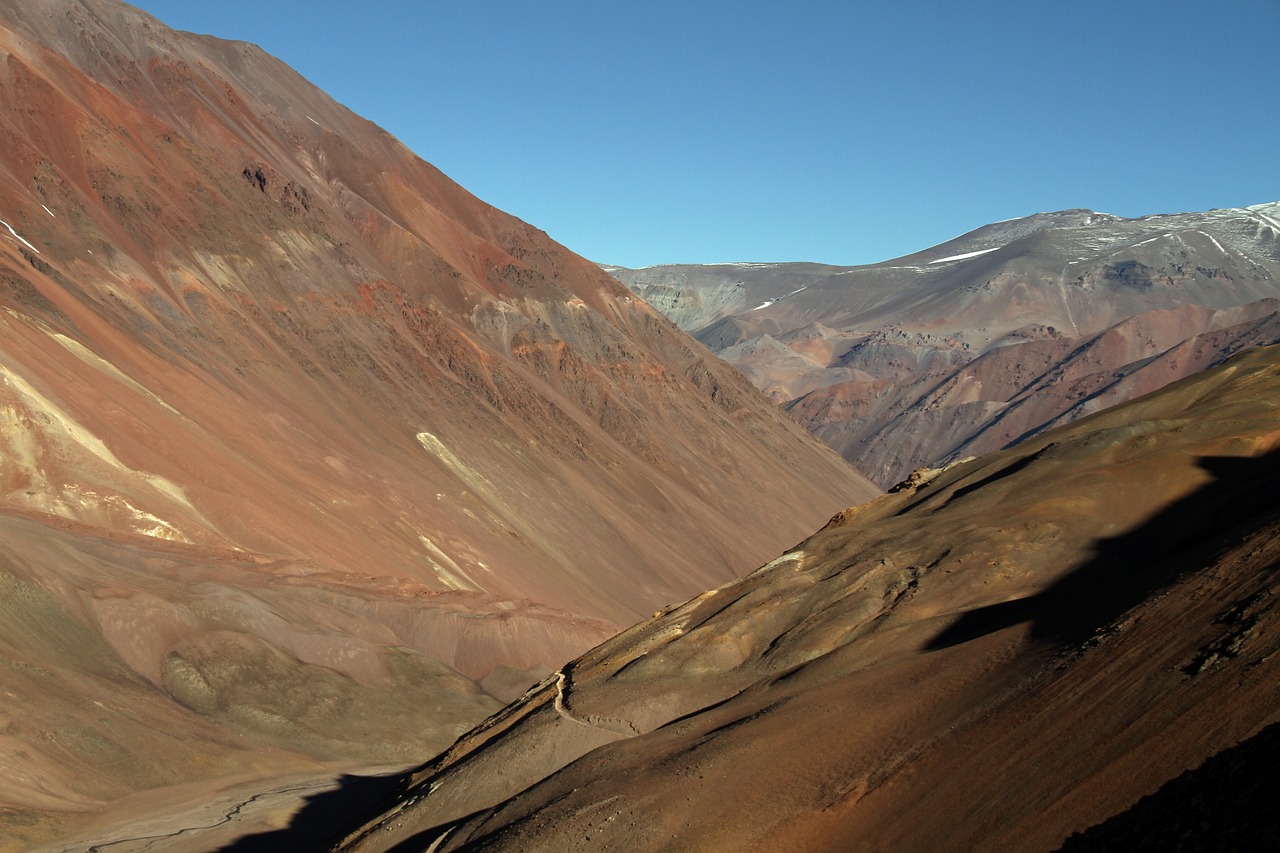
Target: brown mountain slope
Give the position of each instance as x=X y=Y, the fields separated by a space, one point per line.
x=965 y=347
x=1010 y=651
x=278 y=397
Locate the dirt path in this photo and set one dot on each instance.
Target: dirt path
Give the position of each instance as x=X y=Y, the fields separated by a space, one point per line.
x=618 y=727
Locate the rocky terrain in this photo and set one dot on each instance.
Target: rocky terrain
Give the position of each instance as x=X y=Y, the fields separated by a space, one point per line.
x=991 y=337
x=308 y=458
x=1088 y=616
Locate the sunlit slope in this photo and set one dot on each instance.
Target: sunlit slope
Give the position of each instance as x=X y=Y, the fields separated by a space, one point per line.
x=1002 y=654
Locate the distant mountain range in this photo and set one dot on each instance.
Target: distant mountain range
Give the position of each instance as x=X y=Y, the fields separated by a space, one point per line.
x=988 y=338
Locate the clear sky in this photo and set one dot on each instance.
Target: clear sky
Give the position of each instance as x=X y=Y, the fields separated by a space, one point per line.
x=843 y=132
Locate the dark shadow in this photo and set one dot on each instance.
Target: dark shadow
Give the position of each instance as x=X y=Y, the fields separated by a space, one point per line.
x=329 y=815
x=423 y=840
x=1129 y=568
x=1007 y=471
x=1228 y=803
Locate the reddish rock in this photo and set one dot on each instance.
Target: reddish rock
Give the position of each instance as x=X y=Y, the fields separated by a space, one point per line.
x=299 y=440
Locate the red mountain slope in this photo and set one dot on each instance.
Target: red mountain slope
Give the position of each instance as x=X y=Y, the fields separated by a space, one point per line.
x=281 y=402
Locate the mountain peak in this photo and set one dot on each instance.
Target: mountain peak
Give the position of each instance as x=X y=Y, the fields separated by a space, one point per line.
x=928 y=357
x=312 y=415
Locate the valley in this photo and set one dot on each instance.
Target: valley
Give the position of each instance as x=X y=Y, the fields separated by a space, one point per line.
x=340 y=509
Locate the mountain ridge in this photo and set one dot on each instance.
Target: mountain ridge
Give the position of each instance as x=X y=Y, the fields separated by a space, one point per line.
x=283 y=404
x=857 y=353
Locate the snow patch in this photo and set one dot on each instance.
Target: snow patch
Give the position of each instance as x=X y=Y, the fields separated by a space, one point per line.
x=1151 y=240
x=965 y=256
x=769 y=302
x=1270 y=223
x=19 y=236
x=48 y=211
x=1215 y=242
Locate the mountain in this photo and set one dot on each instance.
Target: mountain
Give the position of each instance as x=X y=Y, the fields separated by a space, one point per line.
x=995 y=657
x=306 y=454
x=991 y=337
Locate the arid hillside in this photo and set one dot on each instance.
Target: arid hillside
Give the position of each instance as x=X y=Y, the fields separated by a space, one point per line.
x=306 y=454
x=995 y=657
x=991 y=337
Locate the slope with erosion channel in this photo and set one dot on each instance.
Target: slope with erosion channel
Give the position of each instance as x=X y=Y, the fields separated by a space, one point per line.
x=935 y=356
x=1004 y=653
x=281 y=404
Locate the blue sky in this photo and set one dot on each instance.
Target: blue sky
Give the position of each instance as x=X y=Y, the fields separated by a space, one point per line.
x=639 y=133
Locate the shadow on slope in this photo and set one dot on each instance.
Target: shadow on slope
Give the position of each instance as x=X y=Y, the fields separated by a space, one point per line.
x=1129 y=568
x=327 y=815
x=1227 y=803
